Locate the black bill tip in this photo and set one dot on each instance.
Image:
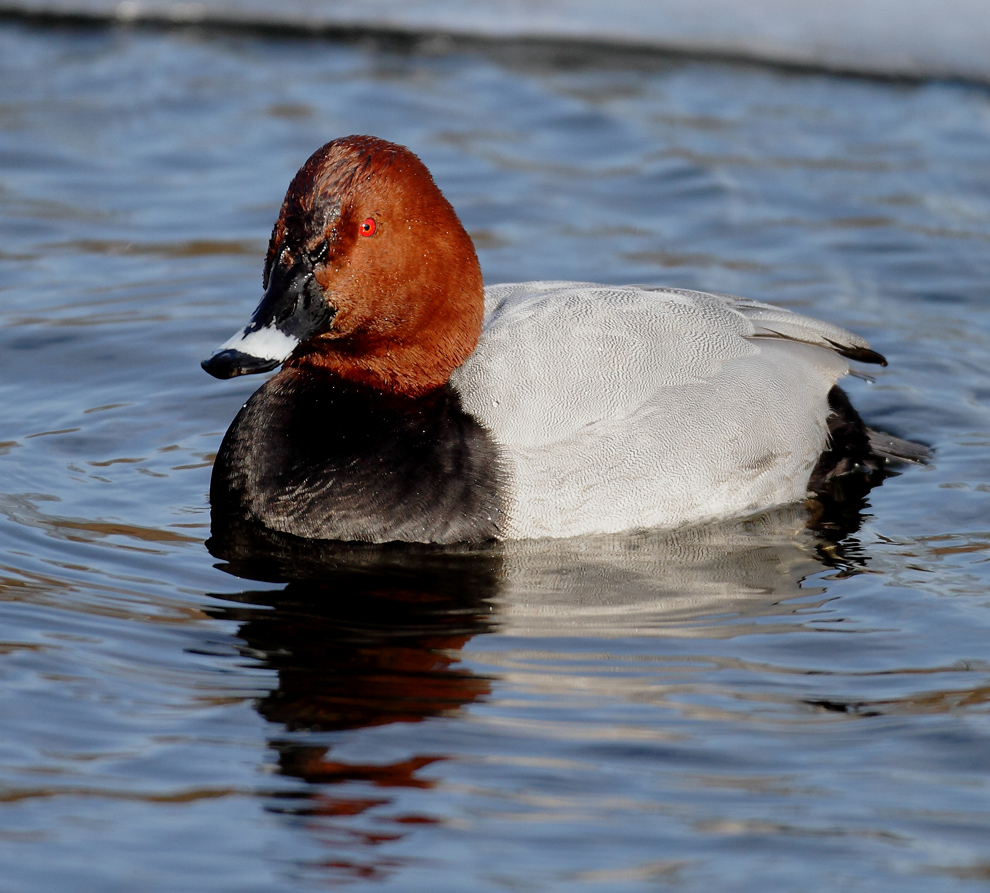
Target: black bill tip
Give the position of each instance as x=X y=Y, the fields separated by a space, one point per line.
x=231 y=363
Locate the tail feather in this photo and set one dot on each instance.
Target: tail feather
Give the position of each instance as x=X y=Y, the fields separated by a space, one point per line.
x=855 y=451
x=896 y=449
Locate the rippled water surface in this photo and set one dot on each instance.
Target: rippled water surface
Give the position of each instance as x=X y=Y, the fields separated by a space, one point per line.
x=749 y=707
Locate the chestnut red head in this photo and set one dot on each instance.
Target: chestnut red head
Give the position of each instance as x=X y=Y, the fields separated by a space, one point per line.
x=369 y=274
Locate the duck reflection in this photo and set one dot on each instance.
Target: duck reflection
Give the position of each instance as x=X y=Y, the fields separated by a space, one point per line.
x=365 y=637
x=359 y=637
x=362 y=636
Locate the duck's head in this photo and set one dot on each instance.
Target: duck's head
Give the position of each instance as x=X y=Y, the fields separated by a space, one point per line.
x=369 y=275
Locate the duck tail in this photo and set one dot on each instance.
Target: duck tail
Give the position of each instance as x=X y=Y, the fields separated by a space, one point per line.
x=857 y=451
x=897 y=450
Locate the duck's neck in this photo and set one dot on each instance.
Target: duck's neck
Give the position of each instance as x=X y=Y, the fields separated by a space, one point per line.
x=440 y=326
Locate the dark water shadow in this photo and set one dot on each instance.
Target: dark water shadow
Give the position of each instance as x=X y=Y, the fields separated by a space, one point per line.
x=365 y=636
x=359 y=636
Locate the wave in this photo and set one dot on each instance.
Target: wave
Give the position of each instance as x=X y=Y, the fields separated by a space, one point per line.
x=914 y=39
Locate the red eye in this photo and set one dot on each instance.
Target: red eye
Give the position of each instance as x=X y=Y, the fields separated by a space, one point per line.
x=368 y=227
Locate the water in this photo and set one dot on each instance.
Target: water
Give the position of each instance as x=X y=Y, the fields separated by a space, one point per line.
x=747 y=707
x=922 y=38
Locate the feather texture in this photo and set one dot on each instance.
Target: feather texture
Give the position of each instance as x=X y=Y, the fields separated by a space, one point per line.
x=620 y=406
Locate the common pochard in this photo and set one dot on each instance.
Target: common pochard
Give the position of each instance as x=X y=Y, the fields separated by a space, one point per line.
x=414 y=404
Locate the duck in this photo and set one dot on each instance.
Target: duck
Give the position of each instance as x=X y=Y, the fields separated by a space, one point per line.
x=413 y=404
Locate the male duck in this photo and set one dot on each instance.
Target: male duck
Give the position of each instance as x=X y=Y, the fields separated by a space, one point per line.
x=416 y=405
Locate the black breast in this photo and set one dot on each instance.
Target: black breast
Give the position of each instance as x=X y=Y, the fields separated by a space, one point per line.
x=315 y=457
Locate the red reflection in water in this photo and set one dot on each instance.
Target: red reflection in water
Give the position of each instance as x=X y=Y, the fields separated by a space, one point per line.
x=367 y=638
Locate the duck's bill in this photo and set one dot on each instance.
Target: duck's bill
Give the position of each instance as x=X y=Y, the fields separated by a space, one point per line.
x=258 y=348
x=292 y=310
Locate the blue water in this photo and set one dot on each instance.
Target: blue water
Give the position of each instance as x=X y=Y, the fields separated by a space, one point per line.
x=747 y=707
